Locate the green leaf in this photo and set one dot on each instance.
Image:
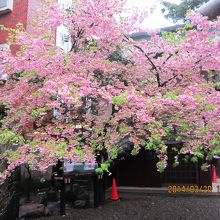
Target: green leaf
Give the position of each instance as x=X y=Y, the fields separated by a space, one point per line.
x=104 y=167
x=119 y=100
x=99 y=170
x=170 y=95
x=62 y=146
x=9 y=137
x=213 y=142
x=113 y=154
x=194 y=159
x=199 y=154
x=204 y=167
x=210 y=107
x=39 y=111
x=161 y=166
x=59 y=154
x=123 y=130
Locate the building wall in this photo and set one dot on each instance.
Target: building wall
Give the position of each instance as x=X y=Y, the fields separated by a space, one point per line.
x=10 y=19
x=32 y=11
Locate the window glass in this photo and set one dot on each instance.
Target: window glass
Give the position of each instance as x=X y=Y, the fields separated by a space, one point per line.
x=6 y=6
x=63 y=39
x=66 y=4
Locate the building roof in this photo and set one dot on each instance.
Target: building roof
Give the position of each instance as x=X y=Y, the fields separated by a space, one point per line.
x=210 y=9
x=144 y=35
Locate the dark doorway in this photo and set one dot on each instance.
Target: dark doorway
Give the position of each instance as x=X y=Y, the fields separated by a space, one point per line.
x=139 y=170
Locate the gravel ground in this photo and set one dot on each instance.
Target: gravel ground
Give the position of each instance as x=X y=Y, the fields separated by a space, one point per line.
x=139 y=206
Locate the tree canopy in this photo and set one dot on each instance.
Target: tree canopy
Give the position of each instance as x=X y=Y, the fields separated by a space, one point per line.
x=108 y=88
x=177 y=12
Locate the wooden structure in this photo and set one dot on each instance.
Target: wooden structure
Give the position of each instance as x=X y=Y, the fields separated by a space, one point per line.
x=90 y=179
x=141 y=171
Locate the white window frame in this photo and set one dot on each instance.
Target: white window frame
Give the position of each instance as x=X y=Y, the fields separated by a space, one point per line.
x=3 y=76
x=66 y=4
x=63 y=39
x=7 y=8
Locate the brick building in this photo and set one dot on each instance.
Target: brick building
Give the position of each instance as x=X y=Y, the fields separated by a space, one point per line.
x=13 y=12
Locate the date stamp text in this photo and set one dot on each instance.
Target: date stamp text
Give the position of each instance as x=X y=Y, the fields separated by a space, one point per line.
x=190 y=189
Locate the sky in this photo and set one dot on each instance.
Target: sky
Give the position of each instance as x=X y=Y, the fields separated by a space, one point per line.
x=156 y=19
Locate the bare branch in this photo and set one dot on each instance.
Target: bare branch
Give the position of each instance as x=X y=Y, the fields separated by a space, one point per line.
x=152 y=64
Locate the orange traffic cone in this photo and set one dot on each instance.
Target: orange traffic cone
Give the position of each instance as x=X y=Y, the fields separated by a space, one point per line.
x=114 y=196
x=214 y=176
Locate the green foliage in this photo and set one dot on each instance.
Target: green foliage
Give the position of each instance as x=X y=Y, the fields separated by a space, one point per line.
x=199 y=154
x=60 y=154
x=9 y=137
x=216 y=152
x=209 y=107
x=60 y=149
x=99 y=170
x=27 y=74
x=214 y=142
x=194 y=159
x=38 y=112
x=62 y=146
x=175 y=164
x=23 y=48
x=215 y=146
x=161 y=166
x=177 y=37
x=170 y=37
x=2 y=27
x=103 y=168
x=150 y=144
x=52 y=53
x=204 y=167
x=95 y=145
x=92 y=45
x=170 y=95
x=184 y=127
x=119 y=100
x=178 y=12
x=10 y=155
x=47 y=37
x=36 y=94
x=123 y=130
x=186 y=158
x=113 y=154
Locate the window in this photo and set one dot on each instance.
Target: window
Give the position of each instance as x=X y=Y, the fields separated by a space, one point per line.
x=63 y=39
x=66 y=4
x=6 y=6
x=3 y=76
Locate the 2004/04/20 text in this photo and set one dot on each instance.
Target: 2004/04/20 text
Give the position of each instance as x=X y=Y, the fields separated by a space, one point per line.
x=189 y=188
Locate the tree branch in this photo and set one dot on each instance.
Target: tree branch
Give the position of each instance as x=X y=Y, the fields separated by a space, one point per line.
x=152 y=64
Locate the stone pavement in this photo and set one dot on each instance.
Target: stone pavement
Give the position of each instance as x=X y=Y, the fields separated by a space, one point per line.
x=141 y=205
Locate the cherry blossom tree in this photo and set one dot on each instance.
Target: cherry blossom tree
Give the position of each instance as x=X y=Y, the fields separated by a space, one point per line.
x=108 y=88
